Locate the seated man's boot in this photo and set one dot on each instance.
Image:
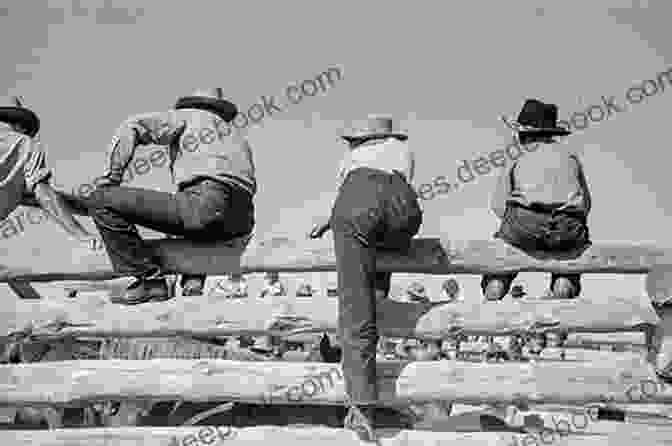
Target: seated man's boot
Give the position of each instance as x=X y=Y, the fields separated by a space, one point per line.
x=495 y=290
x=362 y=422
x=143 y=290
x=564 y=289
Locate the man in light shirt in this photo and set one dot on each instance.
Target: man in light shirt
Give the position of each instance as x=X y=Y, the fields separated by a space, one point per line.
x=273 y=287
x=24 y=172
x=214 y=172
x=543 y=201
x=376 y=208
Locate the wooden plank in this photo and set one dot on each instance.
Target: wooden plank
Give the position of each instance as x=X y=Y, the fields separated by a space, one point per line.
x=620 y=435
x=284 y=316
x=427 y=256
x=616 y=379
x=23 y=289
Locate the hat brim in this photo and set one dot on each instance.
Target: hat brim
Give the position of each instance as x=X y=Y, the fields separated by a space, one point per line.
x=221 y=107
x=20 y=115
x=359 y=136
x=543 y=131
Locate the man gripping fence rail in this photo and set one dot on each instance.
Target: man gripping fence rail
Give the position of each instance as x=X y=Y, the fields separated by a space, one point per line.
x=215 y=180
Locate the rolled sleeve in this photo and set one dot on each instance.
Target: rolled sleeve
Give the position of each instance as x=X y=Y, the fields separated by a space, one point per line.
x=35 y=167
x=159 y=128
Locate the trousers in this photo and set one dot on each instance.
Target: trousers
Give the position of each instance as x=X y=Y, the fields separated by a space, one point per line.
x=204 y=210
x=373 y=211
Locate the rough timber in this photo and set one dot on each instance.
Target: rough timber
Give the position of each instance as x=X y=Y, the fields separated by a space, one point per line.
x=201 y=316
x=427 y=256
x=607 y=379
x=619 y=435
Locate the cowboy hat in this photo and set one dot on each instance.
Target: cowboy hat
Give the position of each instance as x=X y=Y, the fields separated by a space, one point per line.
x=417 y=291
x=304 y=290
x=451 y=287
x=517 y=291
x=373 y=127
x=12 y=111
x=262 y=344
x=537 y=118
x=209 y=99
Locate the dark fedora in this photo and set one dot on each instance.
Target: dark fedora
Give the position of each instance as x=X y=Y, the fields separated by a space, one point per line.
x=12 y=111
x=537 y=118
x=209 y=99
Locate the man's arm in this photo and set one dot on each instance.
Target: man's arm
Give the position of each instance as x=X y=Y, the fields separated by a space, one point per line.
x=159 y=128
x=587 y=199
x=502 y=191
x=37 y=177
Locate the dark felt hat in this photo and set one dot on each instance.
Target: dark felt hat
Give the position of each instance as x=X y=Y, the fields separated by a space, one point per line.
x=537 y=117
x=12 y=111
x=209 y=99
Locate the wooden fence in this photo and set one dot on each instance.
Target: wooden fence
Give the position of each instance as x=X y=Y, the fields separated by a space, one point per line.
x=600 y=377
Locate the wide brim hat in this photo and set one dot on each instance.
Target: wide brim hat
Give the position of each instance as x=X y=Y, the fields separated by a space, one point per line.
x=209 y=99
x=518 y=291
x=418 y=291
x=12 y=111
x=373 y=127
x=537 y=117
x=262 y=344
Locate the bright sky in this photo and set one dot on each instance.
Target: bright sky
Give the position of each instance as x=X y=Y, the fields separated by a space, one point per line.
x=446 y=72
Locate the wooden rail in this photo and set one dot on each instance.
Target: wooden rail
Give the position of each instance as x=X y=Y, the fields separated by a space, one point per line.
x=619 y=435
x=427 y=256
x=285 y=316
x=610 y=378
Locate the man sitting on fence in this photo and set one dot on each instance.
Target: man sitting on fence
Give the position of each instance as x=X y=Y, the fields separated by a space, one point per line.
x=215 y=176
x=24 y=171
x=542 y=199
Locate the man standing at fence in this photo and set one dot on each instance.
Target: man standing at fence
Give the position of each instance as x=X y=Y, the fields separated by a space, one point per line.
x=376 y=207
x=215 y=177
x=542 y=199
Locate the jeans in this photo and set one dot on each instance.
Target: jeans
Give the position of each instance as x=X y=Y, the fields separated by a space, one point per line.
x=374 y=210
x=544 y=234
x=205 y=210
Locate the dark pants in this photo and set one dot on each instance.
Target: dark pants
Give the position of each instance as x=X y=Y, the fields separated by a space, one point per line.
x=205 y=210
x=374 y=210
x=544 y=234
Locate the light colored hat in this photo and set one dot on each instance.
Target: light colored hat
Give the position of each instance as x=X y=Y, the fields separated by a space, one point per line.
x=304 y=290
x=373 y=127
x=12 y=111
x=417 y=291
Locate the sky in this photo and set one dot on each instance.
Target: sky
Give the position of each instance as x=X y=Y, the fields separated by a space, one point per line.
x=446 y=71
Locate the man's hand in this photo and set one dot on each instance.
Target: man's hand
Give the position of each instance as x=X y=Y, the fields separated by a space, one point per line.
x=319 y=229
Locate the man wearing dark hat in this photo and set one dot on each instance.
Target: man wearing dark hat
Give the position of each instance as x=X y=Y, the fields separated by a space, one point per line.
x=215 y=178
x=23 y=168
x=376 y=208
x=542 y=199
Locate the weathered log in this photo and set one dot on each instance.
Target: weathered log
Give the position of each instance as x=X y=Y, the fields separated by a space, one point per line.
x=287 y=315
x=618 y=435
x=619 y=379
x=427 y=255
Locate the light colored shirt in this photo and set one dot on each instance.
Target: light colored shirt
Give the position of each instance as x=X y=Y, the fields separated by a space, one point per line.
x=273 y=289
x=23 y=164
x=201 y=145
x=388 y=155
x=551 y=175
